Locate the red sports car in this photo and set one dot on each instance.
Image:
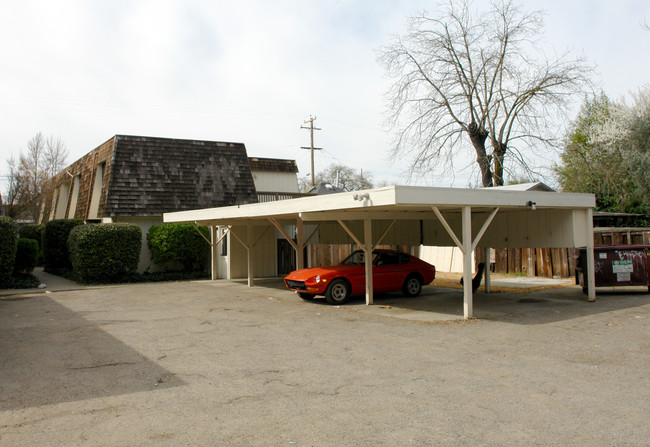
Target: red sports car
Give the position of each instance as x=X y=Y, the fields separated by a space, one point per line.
x=391 y=271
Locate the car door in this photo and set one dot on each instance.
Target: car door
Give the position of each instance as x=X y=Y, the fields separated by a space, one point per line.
x=386 y=272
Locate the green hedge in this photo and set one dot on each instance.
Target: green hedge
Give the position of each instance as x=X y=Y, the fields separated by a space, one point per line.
x=105 y=252
x=55 y=245
x=33 y=231
x=179 y=242
x=26 y=256
x=8 y=246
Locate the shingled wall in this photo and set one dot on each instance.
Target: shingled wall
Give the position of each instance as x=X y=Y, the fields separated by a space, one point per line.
x=85 y=167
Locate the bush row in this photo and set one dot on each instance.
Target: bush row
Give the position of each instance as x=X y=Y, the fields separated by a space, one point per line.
x=104 y=252
x=179 y=243
x=8 y=247
x=98 y=252
x=55 y=245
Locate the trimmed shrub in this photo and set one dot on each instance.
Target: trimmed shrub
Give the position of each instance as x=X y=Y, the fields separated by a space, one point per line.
x=26 y=256
x=105 y=252
x=33 y=231
x=179 y=242
x=55 y=245
x=8 y=245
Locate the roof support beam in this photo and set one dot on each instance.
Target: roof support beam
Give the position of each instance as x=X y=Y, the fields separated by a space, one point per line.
x=196 y=227
x=485 y=226
x=284 y=233
x=313 y=233
x=444 y=223
x=352 y=235
x=299 y=245
x=381 y=238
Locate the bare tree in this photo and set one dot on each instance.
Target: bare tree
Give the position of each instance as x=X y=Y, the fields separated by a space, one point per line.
x=42 y=159
x=56 y=155
x=345 y=177
x=461 y=75
x=340 y=175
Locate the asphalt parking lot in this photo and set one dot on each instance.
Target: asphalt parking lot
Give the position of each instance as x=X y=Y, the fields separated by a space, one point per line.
x=218 y=363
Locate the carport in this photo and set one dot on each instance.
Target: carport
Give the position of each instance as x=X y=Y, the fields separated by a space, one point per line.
x=410 y=215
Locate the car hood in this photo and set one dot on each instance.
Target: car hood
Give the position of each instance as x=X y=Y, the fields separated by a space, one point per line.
x=302 y=275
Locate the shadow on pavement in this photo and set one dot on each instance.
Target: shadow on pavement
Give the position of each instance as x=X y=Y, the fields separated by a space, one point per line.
x=535 y=307
x=436 y=303
x=49 y=355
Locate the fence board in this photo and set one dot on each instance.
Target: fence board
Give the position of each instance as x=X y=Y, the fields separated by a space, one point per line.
x=529 y=262
x=501 y=261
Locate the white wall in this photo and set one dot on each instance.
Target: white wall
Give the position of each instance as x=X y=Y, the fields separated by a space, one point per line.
x=445 y=259
x=145 y=254
x=275 y=181
x=264 y=252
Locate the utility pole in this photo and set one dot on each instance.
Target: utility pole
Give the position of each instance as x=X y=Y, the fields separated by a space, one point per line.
x=311 y=129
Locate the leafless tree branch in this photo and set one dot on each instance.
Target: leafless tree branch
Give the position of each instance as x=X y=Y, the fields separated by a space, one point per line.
x=482 y=76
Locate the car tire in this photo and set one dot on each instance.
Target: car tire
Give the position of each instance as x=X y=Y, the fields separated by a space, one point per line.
x=412 y=286
x=338 y=292
x=306 y=296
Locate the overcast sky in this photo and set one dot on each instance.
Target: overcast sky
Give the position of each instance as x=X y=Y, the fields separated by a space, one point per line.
x=251 y=71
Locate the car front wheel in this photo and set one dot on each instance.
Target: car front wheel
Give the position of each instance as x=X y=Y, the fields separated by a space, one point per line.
x=412 y=286
x=338 y=292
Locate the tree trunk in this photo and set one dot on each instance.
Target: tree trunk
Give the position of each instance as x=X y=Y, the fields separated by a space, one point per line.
x=478 y=135
x=499 y=155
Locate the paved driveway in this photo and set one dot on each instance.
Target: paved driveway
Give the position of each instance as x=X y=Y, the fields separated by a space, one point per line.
x=219 y=364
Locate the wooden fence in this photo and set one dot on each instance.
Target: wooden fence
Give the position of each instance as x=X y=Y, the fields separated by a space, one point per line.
x=542 y=262
x=559 y=262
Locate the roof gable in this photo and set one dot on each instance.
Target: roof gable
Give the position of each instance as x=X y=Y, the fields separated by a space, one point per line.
x=532 y=186
x=150 y=176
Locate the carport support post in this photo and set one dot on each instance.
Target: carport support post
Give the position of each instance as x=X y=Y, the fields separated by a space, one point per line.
x=367 y=235
x=300 y=252
x=213 y=251
x=591 y=279
x=249 y=253
x=466 y=217
x=486 y=272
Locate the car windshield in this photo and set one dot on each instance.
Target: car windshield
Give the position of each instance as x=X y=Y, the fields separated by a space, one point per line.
x=357 y=258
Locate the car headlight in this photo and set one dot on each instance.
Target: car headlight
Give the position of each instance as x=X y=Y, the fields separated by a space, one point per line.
x=317 y=278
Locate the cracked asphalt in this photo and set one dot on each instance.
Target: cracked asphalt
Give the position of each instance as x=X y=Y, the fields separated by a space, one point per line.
x=221 y=364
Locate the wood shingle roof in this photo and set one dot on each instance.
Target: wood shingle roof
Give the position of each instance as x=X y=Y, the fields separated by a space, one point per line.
x=151 y=175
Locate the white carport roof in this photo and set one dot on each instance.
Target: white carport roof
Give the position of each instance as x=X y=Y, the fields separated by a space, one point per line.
x=409 y=215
